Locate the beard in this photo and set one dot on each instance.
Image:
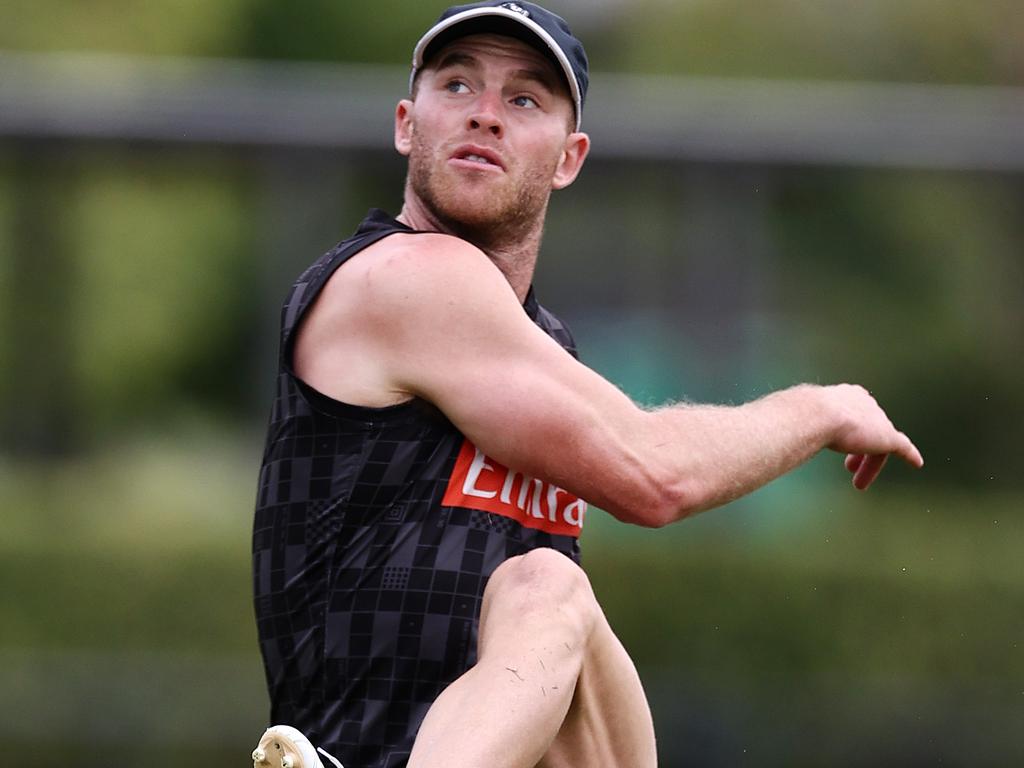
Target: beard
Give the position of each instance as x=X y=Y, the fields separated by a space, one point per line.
x=487 y=214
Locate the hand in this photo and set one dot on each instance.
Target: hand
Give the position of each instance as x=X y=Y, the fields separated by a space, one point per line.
x=867 y=435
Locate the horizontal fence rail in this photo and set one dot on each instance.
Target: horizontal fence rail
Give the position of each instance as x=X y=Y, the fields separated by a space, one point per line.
x=675 y=119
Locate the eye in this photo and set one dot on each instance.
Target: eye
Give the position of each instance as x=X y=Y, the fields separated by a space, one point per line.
x=456 y=86
x=525 y=102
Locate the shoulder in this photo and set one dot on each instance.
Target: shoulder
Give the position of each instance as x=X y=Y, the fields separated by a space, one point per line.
x=399 y=300
x=405 y=274
x=420 y=256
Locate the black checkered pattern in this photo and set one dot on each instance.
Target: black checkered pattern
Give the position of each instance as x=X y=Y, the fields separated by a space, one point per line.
x=367 y=589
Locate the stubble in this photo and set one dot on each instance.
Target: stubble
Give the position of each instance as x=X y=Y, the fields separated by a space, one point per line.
x=487 y=215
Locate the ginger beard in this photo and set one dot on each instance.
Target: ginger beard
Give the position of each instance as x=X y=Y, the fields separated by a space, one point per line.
x=489 y=210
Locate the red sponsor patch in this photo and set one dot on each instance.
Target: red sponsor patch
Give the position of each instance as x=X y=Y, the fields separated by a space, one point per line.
x=479 y=482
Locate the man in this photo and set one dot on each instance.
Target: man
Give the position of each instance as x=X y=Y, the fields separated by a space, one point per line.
x=418 y=593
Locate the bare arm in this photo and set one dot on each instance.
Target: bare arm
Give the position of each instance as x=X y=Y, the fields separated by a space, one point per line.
x=430 y=316
x=746 y=446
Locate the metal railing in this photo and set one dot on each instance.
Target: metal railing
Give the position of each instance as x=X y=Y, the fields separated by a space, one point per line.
x=349 y=107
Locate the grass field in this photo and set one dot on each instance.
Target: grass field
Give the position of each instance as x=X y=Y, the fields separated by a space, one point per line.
x=809 y=625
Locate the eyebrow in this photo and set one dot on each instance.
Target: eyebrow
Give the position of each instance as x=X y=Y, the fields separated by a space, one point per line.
x=540 y=76
x=455 y=58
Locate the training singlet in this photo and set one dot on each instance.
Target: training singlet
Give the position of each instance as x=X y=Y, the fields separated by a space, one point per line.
x=375 y=532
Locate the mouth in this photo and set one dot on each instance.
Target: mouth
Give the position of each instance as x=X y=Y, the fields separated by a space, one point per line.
x=478 y=157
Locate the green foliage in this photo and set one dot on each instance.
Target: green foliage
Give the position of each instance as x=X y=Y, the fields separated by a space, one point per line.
x=919 y=41
x=145 y=547
x=877 y=606
x=169 y=27
x=6 y=260
x=911 y=284
x=122 y=601
x=885 y=585
x=916 y=40
x=890 y=621
x=327 y=30
x=163 y=277
x=908 y=282
x=324 y=30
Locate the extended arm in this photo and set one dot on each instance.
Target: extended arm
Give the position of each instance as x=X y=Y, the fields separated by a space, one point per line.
x=430 y=316
x=739 y=449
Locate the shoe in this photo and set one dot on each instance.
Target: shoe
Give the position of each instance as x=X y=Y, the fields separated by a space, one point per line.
x=285 y=747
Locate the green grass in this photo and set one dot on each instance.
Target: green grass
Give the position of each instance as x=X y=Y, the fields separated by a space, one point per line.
x=869 y=614
x=888 y=626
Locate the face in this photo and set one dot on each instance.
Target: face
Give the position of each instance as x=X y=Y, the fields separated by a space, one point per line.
x=488 y=136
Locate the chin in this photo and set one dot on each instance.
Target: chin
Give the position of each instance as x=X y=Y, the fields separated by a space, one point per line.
x=481 y=212
x=472 y=208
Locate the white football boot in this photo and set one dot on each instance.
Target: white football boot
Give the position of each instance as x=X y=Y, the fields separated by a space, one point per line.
x=285 y=747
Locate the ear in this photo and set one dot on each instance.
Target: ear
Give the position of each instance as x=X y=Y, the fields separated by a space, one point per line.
x=403 y=127
x=577 y=146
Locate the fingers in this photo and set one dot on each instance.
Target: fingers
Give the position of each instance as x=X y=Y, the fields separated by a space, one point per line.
x=865 y=429
x=867 y=470
x=853 y=461
x=870 y=438
x=910 y=453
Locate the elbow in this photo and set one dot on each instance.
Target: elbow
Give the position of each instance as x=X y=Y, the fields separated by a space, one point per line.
x=663 y=503
x=676 y=502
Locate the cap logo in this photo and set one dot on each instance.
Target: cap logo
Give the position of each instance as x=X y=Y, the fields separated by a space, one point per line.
x=516 y=8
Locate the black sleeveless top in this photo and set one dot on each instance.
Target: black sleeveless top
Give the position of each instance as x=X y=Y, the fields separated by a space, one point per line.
x=375 y=532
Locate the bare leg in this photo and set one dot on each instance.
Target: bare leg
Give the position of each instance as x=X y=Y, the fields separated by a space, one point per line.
x=609 y=723
x=552 y=686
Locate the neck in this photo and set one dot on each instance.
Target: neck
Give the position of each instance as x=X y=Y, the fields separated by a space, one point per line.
x=514 y=253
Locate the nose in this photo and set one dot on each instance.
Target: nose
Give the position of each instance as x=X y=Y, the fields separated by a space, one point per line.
x=486 y=115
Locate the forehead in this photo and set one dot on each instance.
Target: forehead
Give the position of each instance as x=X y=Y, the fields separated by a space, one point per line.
x=501 y=50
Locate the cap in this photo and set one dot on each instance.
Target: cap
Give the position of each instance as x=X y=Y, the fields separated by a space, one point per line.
x=539 y=27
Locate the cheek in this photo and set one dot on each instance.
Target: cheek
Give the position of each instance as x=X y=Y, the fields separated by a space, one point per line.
x=426 y=133
x=548 y=149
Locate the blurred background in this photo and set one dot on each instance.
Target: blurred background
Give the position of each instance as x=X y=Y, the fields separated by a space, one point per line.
x=778 y=192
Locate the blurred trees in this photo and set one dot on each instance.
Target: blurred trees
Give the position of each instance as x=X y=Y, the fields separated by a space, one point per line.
x=160 y=27
x=913 y=284
x=134 y=291
x=130 y=274
x=39 y=279
x=174 y=298
x=125 y=297
x=325 y=30
x=139 y=289
x=914 y=40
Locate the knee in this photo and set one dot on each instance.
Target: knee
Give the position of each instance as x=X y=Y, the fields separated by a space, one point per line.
x=542 y=574
x=545 y=586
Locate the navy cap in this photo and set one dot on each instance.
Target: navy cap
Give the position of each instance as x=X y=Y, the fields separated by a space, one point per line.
x=528 y=22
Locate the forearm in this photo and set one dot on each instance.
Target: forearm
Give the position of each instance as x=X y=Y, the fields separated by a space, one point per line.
x=705 y=456
x=711 y=455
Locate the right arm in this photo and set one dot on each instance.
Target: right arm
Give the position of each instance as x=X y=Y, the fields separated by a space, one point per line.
x=430 y=316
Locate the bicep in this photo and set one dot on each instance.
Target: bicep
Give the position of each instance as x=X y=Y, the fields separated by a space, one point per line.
x=514 y=392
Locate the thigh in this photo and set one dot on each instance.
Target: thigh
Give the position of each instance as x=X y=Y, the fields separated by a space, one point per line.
x=609 y=721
